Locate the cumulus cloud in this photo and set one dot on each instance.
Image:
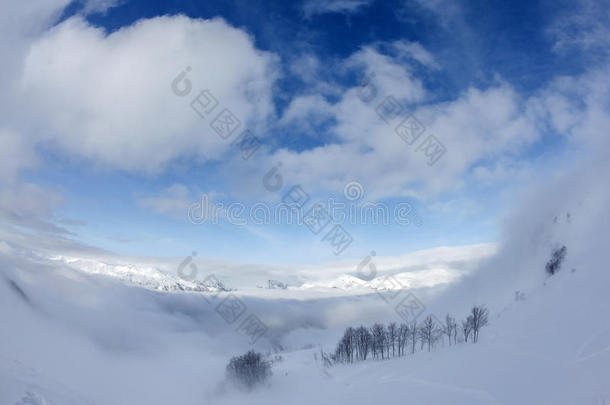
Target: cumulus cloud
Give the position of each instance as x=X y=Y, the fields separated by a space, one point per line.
x=23 y=205
x=486 y=130
x=106 y=97
x=481 y=124
x=20 y=24
x=106 y=100
x=307 y=111
x=390 y=74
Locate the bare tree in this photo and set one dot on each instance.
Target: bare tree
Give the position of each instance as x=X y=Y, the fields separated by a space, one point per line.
x=414 y=330
x=427 y=331
x=403 y=337
x=327 y=360
x=467 y=328
x=392 y=336
x=363 y=342
x=480 y=318
x=379 y=340
x=351 y=343
x=345 y=349
x=448 y=327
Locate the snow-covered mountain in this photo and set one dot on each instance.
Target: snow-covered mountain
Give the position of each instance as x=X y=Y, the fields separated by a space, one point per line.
x=421 y=269
x=143 y=275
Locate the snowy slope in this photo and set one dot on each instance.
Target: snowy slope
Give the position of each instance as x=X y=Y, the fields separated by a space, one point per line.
x=547 y=349
x=69 y=336
x=106 y=343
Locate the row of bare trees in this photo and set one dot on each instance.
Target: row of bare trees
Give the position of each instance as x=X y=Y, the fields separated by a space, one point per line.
x=383 y=342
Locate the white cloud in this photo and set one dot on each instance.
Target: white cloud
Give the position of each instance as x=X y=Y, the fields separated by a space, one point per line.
x=480 y=124
x=17 y=154
x=449 y=12
x=107 y=97
x=20 y=24
x=504 y=169
x=313 y=7
x=173 y=201
x=99 y=6
x=417 y=52
x=485 y=130
x=460 y=207
x=577 y=108
x=29 y=206
x=307 y=110
x=390 y=75
x=310 y=70
x=585 y=26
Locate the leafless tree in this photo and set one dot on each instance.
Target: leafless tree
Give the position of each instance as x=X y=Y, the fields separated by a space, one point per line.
x=480 y=318
x=384 y=342
x=427 y=332
x=392 y=337
x=403 y=337
x=345 y=349
x=448 y=327
x=327 y=360
x=467 y=328
x=414 y=330
x=379 y=340
x=363 y=342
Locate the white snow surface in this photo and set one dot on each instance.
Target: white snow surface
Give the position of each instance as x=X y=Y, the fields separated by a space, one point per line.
x=73 y=336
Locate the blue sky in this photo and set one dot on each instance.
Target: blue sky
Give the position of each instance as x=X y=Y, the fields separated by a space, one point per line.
x=95 y=127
